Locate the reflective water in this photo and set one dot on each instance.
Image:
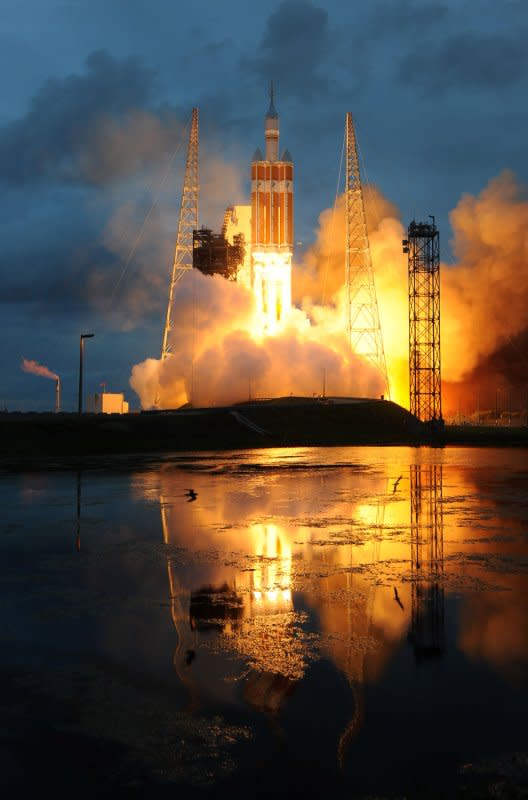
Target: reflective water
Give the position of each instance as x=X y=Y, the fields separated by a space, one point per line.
x=335 y=620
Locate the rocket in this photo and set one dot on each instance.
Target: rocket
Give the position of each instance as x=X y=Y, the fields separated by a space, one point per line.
x=272 y=225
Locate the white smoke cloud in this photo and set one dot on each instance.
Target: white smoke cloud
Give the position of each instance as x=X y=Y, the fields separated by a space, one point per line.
x=218 y=356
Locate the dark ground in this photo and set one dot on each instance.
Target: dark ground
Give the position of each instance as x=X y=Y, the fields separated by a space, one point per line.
x=286 y=422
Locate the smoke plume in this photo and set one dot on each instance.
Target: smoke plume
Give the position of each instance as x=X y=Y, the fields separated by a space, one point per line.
x=319 y=278
x=34 y=368
x=129 y=284
x=217 y=357
x=484 y=293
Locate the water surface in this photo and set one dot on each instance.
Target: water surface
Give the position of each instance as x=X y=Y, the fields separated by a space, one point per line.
x=335 y=620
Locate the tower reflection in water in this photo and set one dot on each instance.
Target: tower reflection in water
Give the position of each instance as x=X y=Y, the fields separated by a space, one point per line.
x=251 y=610
x=239 y=635
x=427 y=561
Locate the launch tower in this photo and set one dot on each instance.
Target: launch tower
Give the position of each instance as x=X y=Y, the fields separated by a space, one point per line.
x=188 y=222
x=362 y=315
x=423 y=249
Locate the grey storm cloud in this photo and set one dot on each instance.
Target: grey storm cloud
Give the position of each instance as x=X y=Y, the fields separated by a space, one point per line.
x=108 y=250
x=90 y=128
x=467 y=59
x=405 y=18
x=77 y=264
x=294 y=47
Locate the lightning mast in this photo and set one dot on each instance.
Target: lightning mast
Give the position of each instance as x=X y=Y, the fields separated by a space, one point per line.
x=362 y=316
x=187 y=223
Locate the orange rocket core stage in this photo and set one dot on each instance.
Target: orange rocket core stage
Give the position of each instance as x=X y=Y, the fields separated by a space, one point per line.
x=272 y=204
x=271 y=227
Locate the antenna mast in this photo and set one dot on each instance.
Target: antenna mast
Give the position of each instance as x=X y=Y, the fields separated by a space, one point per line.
x=363 y=327
x=187 y=223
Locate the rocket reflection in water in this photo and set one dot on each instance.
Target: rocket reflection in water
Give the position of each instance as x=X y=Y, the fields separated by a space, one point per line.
x=233 y=578
x=251 y=610
x=244 y=594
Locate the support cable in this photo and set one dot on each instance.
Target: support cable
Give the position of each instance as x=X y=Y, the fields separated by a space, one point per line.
x=332 y=225
x=154 y=203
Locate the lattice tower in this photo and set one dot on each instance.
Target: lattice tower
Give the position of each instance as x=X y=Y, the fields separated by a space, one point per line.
x=188 y=222
x=362 y=315
x=423 y=248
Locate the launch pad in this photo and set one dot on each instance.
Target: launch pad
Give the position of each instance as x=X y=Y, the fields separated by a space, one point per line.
x=53 y=441
x=260 y=323
x=281 y=422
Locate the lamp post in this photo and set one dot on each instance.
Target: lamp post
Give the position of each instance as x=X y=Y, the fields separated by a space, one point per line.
x=498 y=391
x=81 y=355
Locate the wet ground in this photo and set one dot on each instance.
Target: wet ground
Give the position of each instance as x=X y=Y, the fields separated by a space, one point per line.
x=332 y=621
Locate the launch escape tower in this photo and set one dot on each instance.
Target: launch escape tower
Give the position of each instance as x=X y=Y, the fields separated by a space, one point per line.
x=423 y=248
x=427 y=561
x=188 y=222
x=363 y=327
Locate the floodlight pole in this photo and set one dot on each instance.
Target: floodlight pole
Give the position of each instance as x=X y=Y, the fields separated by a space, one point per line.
x=81 y=356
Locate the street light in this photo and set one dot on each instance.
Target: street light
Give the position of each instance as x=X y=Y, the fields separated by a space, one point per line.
x=498 y=412
x=81 y=354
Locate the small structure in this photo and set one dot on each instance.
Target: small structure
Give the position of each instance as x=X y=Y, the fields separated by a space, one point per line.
x=214 y=255
x=106 y=403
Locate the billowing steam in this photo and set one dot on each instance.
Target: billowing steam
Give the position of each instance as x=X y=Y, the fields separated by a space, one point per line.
x=217 y=358
x=140 y=237
x=484 y=294
x=319 y=278
x=34 y=368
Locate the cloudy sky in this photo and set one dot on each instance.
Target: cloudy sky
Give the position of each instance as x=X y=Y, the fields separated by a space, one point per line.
x=93 y=108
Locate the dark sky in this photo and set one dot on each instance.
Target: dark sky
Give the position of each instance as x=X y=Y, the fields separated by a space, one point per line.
x=94 y=99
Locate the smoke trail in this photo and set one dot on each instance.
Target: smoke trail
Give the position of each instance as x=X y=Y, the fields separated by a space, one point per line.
x=34 y=368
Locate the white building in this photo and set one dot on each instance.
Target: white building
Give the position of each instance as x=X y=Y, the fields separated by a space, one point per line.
x=106 y=403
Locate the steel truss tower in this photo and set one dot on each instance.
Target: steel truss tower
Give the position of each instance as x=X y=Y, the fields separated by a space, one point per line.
x=187 y=223
x=423 y=248
x=427 y=561
x=362 y=315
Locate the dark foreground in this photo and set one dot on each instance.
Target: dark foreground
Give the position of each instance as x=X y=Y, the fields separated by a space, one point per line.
x=286 y=422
